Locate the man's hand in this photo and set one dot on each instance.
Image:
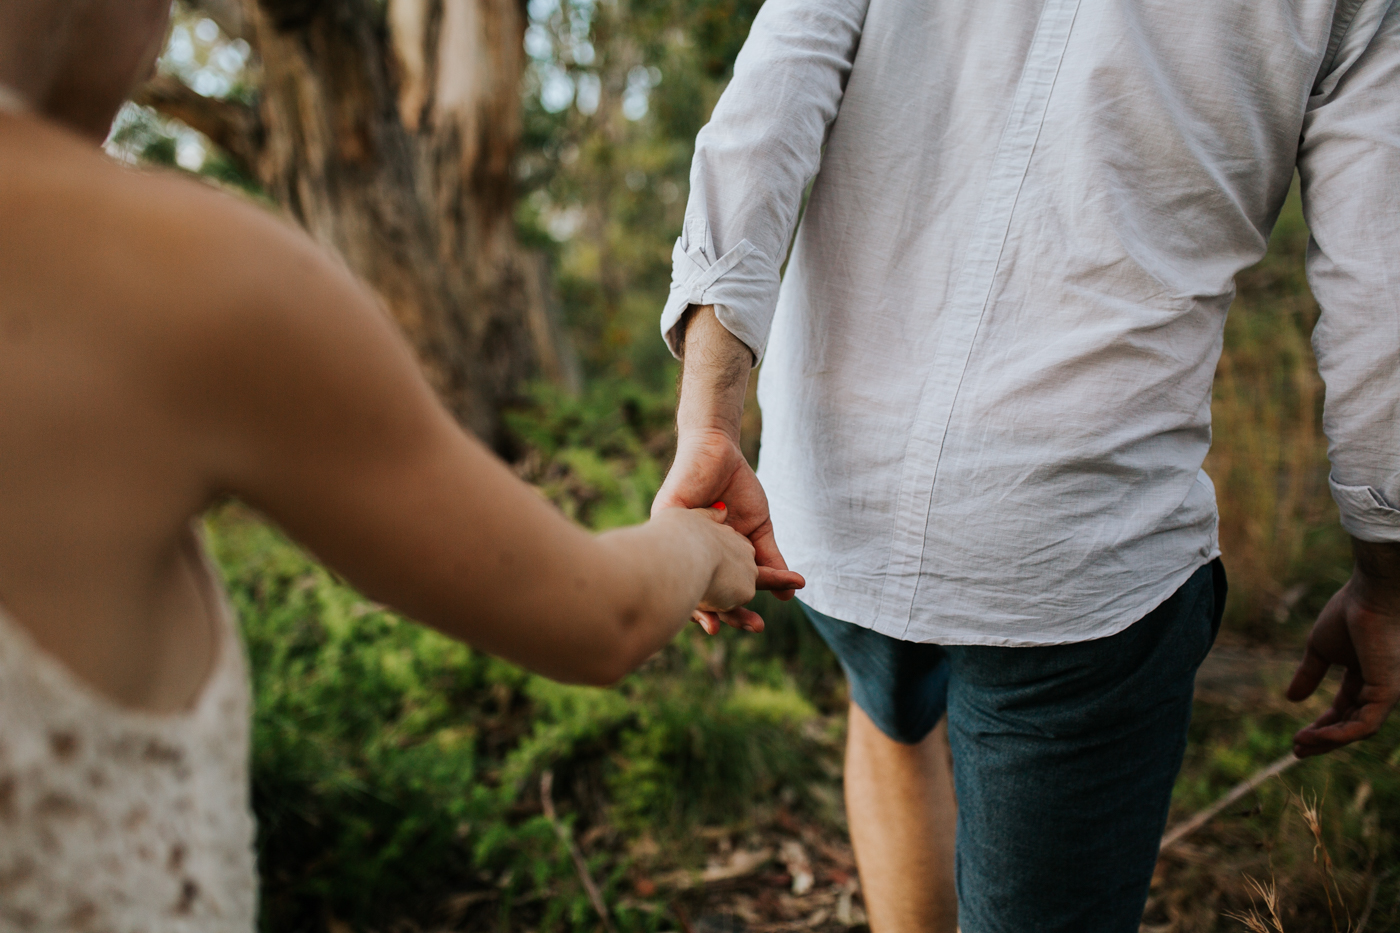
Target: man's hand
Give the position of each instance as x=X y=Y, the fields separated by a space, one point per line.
x=709 y=465
x=710 y=468
x=1359 y=629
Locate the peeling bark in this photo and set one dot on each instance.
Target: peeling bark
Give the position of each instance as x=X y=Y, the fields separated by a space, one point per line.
x=389 y=132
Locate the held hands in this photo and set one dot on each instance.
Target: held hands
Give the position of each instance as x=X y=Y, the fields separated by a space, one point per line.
x=709 y=465
x=1359 y=629
x=733 y=582
x=710 y=468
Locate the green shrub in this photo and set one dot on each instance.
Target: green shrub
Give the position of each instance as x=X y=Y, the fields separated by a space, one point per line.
x=395 y=770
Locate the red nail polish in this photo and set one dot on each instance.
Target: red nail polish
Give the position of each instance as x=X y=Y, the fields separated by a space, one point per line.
x=719 y=505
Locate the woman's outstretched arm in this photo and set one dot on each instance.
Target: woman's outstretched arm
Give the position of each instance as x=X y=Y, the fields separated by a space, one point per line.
x=309 y=406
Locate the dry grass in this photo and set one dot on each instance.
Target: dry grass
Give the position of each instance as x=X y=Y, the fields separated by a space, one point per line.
x=1278 y=525
x=1321 y=860
x=1263 y=914
x=1261 y=921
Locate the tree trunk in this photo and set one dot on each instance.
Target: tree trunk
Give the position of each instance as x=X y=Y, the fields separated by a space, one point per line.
x=389 y=132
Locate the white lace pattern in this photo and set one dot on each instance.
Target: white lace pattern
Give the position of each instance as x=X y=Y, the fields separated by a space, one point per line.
x=120 y=821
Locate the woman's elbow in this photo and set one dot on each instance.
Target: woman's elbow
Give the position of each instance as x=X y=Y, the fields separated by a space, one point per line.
x=609 y=669
x=629 y=643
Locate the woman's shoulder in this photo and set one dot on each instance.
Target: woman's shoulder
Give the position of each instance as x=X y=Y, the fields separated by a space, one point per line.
x=150 y=267
x=70 y=203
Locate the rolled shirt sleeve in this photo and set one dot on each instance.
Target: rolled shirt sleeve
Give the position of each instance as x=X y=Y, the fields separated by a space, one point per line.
x=1349 y=162
x=753 y=160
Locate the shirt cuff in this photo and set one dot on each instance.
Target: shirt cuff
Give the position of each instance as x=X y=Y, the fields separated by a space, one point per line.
x=1366 y=515
x=742 y=285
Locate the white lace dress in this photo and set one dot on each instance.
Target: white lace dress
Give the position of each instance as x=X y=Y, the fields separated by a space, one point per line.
x=117 y=821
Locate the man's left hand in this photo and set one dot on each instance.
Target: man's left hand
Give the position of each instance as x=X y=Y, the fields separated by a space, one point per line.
x=1358 y=629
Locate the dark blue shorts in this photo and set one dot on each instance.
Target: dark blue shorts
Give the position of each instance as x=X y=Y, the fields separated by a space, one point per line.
x=1064 y=756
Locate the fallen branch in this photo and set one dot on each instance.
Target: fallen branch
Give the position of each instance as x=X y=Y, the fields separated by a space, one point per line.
x=1181 y=830
x=742 y=863
x=594 y=895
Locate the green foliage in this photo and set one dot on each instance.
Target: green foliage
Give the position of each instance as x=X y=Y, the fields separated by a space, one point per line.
x=142 y=135
x=615 y=93
x=744 y=744
x=597 y=456
x=396 y=772
x=1279 y=531
x=360 y=765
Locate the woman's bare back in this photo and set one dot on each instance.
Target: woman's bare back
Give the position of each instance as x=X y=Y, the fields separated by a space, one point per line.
x=97 y=482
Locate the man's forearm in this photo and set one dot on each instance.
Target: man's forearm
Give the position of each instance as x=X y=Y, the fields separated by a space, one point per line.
x=1377 y=572
x=715 y=376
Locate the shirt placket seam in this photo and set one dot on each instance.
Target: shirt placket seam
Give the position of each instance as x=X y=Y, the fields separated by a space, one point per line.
x=972 y=293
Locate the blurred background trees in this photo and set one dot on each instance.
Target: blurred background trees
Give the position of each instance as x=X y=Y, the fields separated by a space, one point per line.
x=390 y=132
x=510 y=179
x=507 y=178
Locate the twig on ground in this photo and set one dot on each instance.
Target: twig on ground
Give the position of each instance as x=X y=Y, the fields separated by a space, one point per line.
x=1181 y=830
x=594 y=895
x=799 y=866
x=456 y=906
x=741 y=863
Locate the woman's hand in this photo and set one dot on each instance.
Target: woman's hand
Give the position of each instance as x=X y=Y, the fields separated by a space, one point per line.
x=736 y=576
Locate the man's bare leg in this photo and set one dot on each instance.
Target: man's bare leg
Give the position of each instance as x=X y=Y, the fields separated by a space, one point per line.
x=900 y=803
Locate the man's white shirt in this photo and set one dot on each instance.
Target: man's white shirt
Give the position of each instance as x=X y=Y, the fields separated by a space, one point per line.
x=987 y=372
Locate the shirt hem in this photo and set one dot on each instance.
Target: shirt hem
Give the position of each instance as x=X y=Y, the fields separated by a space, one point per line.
x=833 y=601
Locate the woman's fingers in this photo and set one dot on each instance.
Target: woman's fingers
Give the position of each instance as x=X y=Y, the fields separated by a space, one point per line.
x=768 y=578
x=709 y=621
x=745 y=620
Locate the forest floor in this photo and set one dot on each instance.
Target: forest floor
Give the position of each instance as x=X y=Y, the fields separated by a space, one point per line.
x=789 y=874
